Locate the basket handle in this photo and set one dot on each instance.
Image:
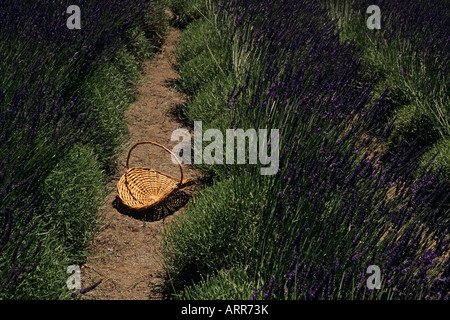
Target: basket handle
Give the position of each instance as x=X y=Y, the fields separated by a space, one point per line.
x=159 y=145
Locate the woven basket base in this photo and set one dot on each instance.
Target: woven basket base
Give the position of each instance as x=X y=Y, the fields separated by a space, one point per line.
x=168 y=206
x=142 y=188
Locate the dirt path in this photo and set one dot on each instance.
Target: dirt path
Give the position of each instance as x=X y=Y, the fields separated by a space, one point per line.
x=126 y=252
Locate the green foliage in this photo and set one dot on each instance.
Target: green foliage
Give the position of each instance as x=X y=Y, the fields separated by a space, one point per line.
x=48 y=280
x=231 y=284
x=147 y=35
x=217 y=231
x=112 y=90
x=419 y=95
x=186 y=11
x=156 y=25
x=72 y=180
x=202 y=262
x=413 y=125
x=74 y=191
x=439 y=154
x=71 y=195
x=202 y=56
x=209 y=104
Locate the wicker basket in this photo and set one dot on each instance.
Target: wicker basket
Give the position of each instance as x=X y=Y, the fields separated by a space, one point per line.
x=143 y=188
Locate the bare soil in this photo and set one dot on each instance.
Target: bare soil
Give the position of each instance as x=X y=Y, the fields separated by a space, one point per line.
x=126 y=253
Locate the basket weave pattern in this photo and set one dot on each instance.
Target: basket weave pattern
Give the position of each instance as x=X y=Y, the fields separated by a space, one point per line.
x=141 y=188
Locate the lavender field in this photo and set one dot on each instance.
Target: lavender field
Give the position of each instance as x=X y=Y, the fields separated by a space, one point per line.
x=359 y=206
x=363 y=176
x=62 y=96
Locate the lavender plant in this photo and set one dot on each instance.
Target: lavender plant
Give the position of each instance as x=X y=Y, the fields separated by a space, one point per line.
x=44 y=112
x=340 y=202
x=410 y=53
x=320 y=170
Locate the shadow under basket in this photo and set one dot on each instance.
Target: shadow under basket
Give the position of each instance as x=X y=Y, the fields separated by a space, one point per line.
x=142 y=188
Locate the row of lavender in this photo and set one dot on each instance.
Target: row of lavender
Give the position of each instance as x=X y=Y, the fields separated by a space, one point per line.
x=43 y=111
x=340 y=203
x=411 y=54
